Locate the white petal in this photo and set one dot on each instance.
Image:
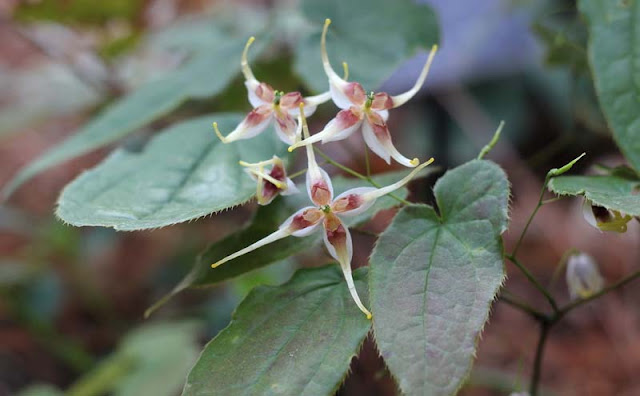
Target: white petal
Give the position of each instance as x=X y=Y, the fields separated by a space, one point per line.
x=318 y=175
x=304 y=231
x=383 y=113
x=340 y=134
x=364 y=193
x=277 y=235
x=339 y=98
x=374 y=144
x=291 y=188
x=243 y=131
x=252 y=85
x=401 y=99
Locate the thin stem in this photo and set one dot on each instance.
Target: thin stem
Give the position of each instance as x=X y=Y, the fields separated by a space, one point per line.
x=366 y=162
x=298 y=173
x=357 y=174
x=523 y=306
x=577 y=303
x=533 y=214
x=534 y=282
x=537 y=363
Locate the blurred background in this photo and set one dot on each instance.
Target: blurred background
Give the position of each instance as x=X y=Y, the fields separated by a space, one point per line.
x=72 y=299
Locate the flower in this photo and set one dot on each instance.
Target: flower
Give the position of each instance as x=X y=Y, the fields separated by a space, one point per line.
x=272 y=182
x=368 y=111
x=583 y=276
x=605 y=219
x=269 y=104
x=327 y=211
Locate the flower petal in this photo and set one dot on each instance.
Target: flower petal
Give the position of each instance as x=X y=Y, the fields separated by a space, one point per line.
x=381 y=101
x=401 y=99
x=319 y=186
x=353 y=201
x=253 y=124
x=303 y=222
x=376 y=135
x=376 y=193
x=259 y=93
x=277 y=235
x=291 y=101
x=344 y=124
x=337 y=239
x=286 y=127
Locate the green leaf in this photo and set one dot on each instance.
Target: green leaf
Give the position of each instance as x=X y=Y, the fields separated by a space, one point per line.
x=205 y=75
x=152 y=360
x=295 y=339
x=184 y=173
x=614 y=55
x=611 y=192
x=433 y=277
x=373 y=36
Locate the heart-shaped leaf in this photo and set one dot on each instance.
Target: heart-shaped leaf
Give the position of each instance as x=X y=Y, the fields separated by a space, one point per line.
x=611 y=192
x=433 y=277
x=614 y=59
x=205 y=75
x=184 y=173
x=294 y=339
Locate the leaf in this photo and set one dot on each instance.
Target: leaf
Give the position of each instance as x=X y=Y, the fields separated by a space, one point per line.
x=163 y=354
x=615 y=60
x=611 y=192
x=373 y=36
x=184 y=173
x=433 y=278
x=205 y=75
x=294 y=339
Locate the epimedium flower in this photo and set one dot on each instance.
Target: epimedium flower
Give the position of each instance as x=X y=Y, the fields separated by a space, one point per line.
x=326 y=213
x=271 y=182
x=583 y=276
x=605 y=219
x=268 y=105
x=362 y=110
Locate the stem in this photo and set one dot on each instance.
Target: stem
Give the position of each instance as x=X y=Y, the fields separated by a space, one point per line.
x=534 y=282
x=366 y=162
x=533 y=214
x=523 y=306
x=358 y=175
x=564 y=310
x=537 y=363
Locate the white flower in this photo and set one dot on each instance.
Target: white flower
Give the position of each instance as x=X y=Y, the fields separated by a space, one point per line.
x=583 y=276
x=270 y=182
x=327 y=211
x=268 y=105
x=605 y=219
x=366 y=111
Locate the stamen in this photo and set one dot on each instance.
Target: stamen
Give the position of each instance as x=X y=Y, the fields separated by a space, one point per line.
x=403 y=98
x=268 y=177
x=375 y=194
x=345 y=68
x=220 y=136
x=246 y=70
x=279 y=234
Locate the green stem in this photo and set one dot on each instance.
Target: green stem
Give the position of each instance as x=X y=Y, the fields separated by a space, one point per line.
x=358 y=175
x=533 y=214
x=534 y=282
x=366 y=162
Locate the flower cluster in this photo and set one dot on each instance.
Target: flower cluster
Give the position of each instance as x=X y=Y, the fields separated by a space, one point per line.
x=360 y=110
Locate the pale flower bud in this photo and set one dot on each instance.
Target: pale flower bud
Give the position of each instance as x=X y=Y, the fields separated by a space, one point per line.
x=583 y=276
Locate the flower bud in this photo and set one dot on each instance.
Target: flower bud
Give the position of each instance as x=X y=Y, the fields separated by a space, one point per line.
x=583 y=276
